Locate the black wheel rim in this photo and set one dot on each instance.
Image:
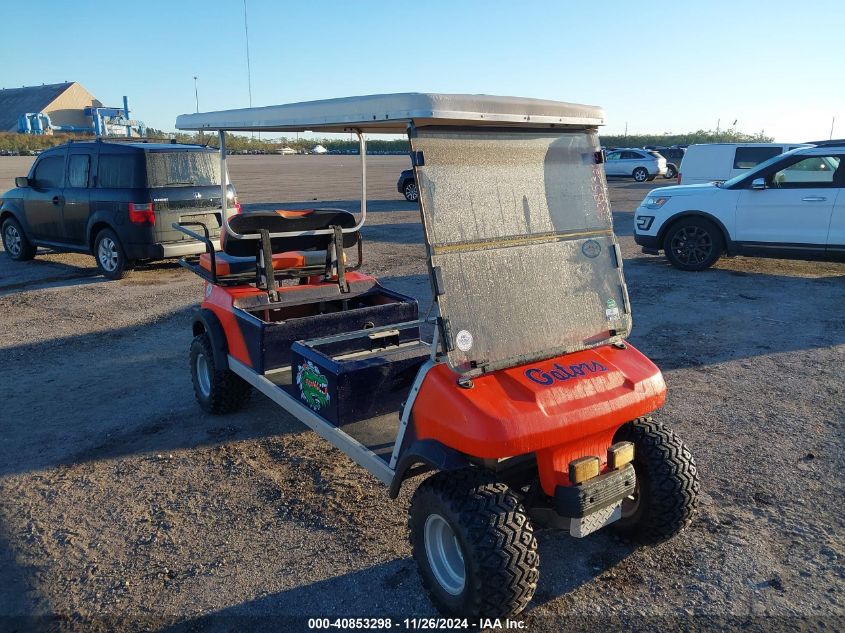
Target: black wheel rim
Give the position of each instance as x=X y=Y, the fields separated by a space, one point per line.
x=691 y=245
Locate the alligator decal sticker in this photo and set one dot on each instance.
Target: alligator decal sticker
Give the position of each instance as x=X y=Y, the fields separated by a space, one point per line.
x=560 y=373
x=313 y=386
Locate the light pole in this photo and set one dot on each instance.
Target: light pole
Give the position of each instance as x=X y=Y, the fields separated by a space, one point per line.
x=248 y=69
x=196 y=94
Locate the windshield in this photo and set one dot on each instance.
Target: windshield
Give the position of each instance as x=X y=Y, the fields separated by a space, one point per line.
x=758 y=168
x=189 y=168
x=519 y=232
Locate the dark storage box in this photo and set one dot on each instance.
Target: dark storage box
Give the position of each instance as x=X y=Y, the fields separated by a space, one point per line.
x=356 y=383
x=269 y=333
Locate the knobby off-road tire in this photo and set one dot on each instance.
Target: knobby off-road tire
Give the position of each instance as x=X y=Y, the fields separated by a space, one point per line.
x=497 y=549
x=667 y=483
x=217 y=390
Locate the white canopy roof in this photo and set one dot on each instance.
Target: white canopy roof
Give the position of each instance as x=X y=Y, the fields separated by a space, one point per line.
x=390 y=113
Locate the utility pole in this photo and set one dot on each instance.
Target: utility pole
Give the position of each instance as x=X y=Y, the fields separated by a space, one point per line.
x=832 y=122
x=197 y=101
x=248 y=69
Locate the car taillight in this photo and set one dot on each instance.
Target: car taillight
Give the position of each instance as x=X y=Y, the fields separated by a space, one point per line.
x=142 y=213
x=237 y=207
x=679 y=178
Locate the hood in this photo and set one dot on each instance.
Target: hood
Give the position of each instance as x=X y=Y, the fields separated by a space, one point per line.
x=684 y=190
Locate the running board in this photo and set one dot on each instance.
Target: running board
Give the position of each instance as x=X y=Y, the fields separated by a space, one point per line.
x=351 y=447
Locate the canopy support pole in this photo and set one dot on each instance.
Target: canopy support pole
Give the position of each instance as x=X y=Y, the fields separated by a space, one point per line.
x=224 y=182
x=362 y=148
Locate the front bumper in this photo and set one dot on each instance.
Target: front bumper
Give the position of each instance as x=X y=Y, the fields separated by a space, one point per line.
x=650 y=243
x=595 y=494
x=168 y=249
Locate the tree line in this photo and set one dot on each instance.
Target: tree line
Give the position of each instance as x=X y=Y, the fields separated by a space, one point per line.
x=11 y=142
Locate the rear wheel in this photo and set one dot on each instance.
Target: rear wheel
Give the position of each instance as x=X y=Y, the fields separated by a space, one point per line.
x=693 y=243
x=410 y=191
x=217 y=390
x=110 y=256
x=15 y=241
x=667 y=483
x=474 y=545
x=671 y=172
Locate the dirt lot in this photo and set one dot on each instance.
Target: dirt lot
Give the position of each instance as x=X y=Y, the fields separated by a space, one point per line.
x=123 y=506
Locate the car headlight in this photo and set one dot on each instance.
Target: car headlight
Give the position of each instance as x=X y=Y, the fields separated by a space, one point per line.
x=655 y=202
x=644 y=222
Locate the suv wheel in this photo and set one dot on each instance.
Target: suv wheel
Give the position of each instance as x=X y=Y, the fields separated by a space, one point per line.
x=640 y=174
x=111 y=260
x=693 y=243
x=410 y=191
x=15 y=242
x=671 y=172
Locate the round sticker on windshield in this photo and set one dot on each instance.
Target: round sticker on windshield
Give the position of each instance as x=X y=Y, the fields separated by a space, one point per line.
x=464 y=341
x=591 y=249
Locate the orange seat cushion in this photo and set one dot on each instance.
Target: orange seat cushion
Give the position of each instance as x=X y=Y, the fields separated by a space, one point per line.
x=230 y=265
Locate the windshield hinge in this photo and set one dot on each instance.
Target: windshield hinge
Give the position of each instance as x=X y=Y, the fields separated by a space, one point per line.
x=439 y=290
x=616 y=254
x=443 y=322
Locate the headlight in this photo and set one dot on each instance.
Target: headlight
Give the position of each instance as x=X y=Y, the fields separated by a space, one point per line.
x=655 y=202
x=644 y=222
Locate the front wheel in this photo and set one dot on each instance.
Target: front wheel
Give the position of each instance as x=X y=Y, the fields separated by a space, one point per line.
x=474 y=545
x=640 y=174
x=667 y=487
x=15 y=241
x=110 y=256
x=410 y=191
x=218 y=390
x=671 y=172
x=693 y=243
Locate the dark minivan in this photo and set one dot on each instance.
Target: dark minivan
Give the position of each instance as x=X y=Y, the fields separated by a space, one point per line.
x=115 y=200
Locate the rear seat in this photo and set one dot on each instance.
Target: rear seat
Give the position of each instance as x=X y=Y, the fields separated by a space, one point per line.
x=231 y=265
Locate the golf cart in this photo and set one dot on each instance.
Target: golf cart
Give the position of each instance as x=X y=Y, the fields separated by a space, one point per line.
x=526 y=402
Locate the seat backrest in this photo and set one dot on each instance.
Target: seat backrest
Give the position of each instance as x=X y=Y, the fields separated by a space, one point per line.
x=284 y=221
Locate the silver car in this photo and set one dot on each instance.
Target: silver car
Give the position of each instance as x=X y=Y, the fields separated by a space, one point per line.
x=639 y=164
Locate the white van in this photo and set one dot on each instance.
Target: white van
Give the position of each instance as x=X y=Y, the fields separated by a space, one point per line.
x=718 y=162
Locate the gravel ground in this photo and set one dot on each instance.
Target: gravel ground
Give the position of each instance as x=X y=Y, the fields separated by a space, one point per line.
x=122 y=505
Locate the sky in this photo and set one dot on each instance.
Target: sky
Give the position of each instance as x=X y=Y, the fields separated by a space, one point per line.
x=772 y=66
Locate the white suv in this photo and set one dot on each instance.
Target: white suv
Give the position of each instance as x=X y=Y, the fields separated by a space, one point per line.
x=639 y=164
x=791 y=206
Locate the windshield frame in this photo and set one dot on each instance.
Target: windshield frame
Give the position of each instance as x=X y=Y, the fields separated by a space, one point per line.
x=536 y=228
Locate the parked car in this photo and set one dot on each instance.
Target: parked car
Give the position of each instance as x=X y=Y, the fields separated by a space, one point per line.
x=718 y=162
x=639 y=164
x=115 y=200
x=407 y=186
x=673 y=155
x=791 y=205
